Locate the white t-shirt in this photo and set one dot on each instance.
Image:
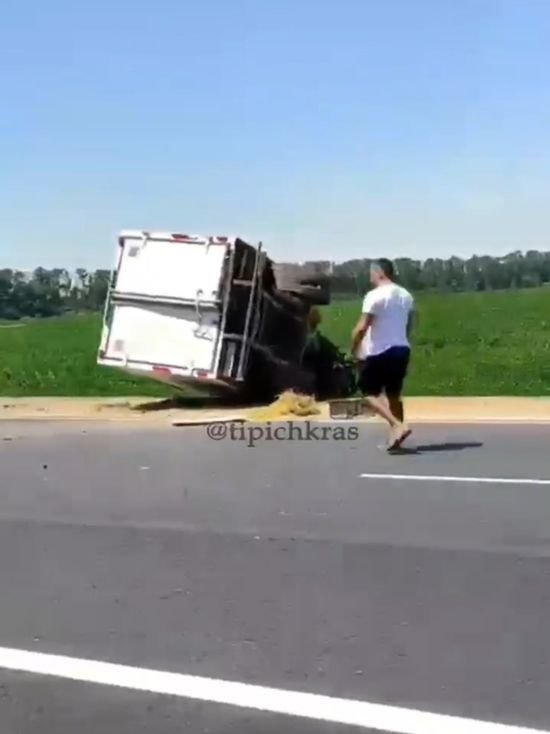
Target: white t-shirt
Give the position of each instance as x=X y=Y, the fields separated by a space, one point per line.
x=391 y=305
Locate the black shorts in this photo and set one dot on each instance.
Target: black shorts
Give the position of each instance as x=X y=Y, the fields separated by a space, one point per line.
x=385 y=372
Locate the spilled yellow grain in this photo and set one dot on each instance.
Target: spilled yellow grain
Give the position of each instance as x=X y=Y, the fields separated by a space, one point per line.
x=288 y=404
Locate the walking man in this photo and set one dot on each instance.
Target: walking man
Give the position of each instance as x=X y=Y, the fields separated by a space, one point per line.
x=381 y=343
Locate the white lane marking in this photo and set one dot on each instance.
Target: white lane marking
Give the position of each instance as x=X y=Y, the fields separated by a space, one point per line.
x=438 y=478
x=293 y=703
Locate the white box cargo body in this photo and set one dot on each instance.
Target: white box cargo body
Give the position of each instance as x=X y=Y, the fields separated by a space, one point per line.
x=169 y=306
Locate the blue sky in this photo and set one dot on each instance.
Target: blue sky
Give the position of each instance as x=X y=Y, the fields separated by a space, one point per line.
x=328 y=129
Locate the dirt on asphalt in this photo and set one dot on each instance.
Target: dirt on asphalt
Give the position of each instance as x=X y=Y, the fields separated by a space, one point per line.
x=144 y=411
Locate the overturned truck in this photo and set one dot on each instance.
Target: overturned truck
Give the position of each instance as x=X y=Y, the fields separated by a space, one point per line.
x=217 y=315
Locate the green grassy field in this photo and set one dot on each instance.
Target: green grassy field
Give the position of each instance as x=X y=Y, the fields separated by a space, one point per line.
x=466 y=344
x=58 y=357
x=473 y=343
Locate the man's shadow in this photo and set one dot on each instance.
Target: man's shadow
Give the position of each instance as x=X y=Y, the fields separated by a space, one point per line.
x=436 y=447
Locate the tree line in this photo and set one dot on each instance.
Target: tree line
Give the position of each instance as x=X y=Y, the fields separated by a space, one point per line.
x=53 y=292
x=455 y=274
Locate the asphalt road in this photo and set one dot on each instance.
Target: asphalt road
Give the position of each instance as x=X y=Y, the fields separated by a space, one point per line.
x=278 y=565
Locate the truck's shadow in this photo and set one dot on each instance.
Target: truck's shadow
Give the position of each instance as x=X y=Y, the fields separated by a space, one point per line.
x=437 y=447
x=203 y=401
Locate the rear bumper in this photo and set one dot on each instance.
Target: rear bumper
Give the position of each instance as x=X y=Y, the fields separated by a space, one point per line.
x=174 y=376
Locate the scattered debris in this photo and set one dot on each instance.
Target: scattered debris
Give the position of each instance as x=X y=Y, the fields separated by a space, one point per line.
x=200 y=419
x=347 y=409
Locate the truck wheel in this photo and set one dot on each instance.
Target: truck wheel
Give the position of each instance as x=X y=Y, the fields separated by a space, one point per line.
x=316 y=296
x=304 y=282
